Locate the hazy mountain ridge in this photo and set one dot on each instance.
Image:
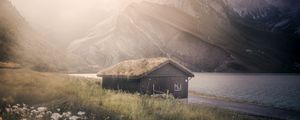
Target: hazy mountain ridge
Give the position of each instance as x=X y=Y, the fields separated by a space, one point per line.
x=204 y=35
x=201 y=34
x=133 y=38
x=20 y=43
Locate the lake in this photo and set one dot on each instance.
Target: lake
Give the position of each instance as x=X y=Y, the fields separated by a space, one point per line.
x=279 y=90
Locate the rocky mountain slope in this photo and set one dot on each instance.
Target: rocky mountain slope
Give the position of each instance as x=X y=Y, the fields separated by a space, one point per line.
x=204 y=35
x=276 y=15
x=21 y=44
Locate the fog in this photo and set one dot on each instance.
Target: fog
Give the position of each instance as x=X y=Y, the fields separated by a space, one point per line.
x=64 y=20
x=203 y=35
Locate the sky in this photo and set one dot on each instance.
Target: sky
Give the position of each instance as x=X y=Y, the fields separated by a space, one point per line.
x=58 y=11
x=64 y=19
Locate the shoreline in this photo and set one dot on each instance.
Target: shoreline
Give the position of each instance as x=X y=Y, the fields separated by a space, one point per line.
x=228 y=99
x=244 y=108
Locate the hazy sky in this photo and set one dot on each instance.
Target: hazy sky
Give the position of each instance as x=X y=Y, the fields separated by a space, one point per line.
x=60 y=11
x=63 y=19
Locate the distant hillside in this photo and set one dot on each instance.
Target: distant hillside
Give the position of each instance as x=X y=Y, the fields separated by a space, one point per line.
x=21 y=44
x=202 y=35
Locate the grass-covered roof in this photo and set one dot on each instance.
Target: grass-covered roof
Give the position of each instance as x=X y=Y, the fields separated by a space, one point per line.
x=133 y=67
x=138 y=67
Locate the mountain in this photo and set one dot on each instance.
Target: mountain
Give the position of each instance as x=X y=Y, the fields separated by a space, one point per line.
x=211 y=36
x=21 y=44
x=204 y=35
x=145 y=29
x=275 y=15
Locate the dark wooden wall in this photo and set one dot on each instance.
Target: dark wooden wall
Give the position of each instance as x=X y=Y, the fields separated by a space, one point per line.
x=163 y=80
x=129 y=85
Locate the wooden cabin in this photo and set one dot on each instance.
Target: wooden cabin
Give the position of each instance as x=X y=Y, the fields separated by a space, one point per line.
x=148 y=76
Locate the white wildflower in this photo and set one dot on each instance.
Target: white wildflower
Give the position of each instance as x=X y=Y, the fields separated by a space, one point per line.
x=34 y=111
x=107 y=118
x=80 y=113
x=41 y=109
x=55 y=116
x=18 y=105
x=67 y=114
x=74 y=117
x=7 y=110
x=25 y=108
x=15 y=106
x=58 y=109
x=42 y=113
x=39 y=116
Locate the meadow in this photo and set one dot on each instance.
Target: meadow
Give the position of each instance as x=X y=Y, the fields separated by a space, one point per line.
x=31 y=95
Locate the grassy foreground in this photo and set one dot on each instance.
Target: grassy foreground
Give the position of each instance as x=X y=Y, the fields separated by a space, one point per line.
x=73 y=94
x=10 y=65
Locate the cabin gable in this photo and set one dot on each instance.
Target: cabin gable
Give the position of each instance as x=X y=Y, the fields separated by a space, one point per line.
x=167 y=70
x=166 y=79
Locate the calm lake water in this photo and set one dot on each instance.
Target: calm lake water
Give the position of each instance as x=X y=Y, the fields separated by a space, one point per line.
x=272 y=89
x=278 y=90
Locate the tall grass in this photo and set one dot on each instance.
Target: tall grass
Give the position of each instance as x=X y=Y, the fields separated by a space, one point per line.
x=9 y=65
x=81 y=94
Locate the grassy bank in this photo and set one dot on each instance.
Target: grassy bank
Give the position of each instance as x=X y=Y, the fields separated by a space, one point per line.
x=9 y=65
x=73 y=94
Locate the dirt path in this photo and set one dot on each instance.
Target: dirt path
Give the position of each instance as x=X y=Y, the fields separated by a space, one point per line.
x=246 y=108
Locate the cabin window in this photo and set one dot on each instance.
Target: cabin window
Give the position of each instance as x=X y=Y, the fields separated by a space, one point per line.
x=177 y=87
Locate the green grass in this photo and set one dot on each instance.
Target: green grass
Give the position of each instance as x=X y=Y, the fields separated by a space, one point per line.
x=81 y=94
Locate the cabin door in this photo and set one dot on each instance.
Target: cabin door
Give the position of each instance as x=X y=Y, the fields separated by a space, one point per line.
x=157 y=86
x=151 y=86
